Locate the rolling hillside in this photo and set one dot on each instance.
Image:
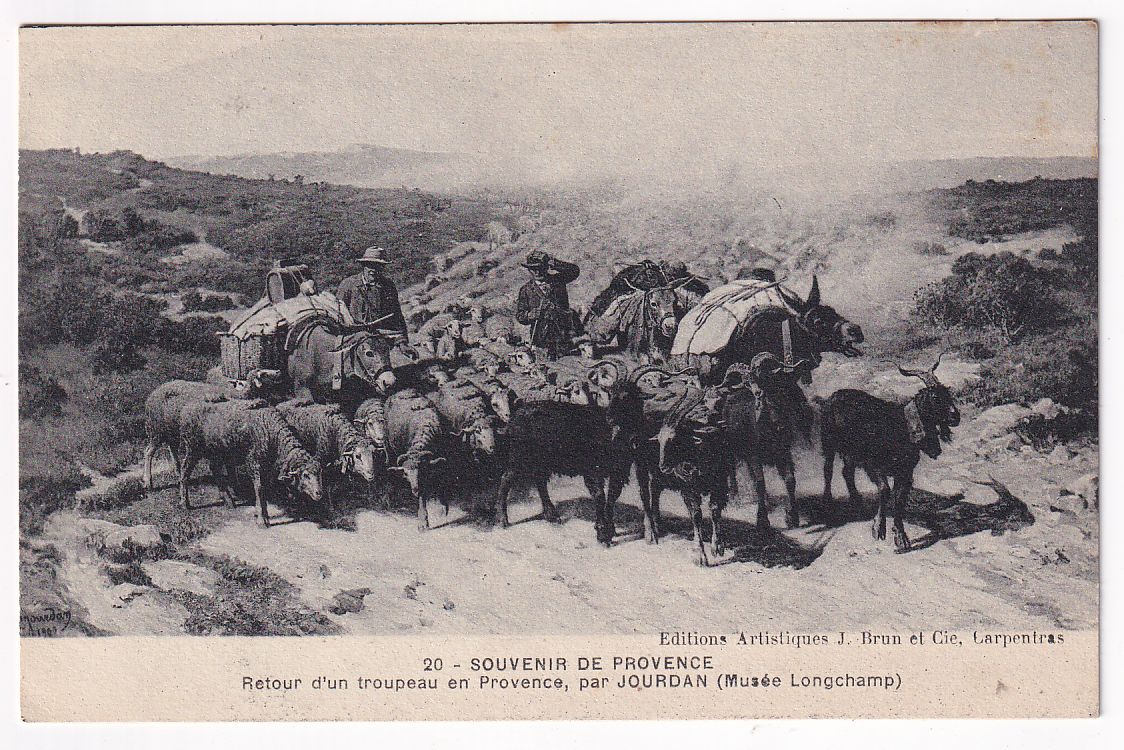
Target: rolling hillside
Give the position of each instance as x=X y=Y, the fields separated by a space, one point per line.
x=149 y=211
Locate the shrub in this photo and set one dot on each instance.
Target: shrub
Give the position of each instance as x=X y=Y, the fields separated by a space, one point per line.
x=1061 y=366
x=922 y=247
x=118 y=494
x=195 y=335
x=196 y=302
x=1001 y=291
x=1044 y=434
x=250 y=600
x=41 y=395
x=116 y=355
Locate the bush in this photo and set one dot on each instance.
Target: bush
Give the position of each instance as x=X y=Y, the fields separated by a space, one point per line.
x=1001 y=291
x=1061 y=366
x=41 y=396
x=117 y=495
x=194 y=335
x=921 y=247
x=116 y=355
x=196 y=302
x=1045 y=434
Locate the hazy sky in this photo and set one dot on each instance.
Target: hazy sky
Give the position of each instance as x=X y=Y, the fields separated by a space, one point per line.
x=584 y=95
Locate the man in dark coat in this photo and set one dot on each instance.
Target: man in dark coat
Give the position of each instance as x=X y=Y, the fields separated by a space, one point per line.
x=371 y=296
x=544 y=304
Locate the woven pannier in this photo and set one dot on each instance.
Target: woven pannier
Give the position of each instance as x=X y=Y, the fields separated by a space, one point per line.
x=257 y=351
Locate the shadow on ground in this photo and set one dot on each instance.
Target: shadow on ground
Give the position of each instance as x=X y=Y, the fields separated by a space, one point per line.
x=943 y=516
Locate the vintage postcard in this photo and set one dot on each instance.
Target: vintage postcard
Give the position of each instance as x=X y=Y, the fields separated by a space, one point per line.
x=556 y=371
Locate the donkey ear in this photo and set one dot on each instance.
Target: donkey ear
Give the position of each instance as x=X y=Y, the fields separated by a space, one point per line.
x=814 y=293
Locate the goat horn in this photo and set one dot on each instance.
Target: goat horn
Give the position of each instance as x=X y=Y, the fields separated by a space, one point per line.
x=733 y=379
x=936 y=364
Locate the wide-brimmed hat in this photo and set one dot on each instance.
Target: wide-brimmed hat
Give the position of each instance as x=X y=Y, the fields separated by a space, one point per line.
x=536 y=259
x=374 y=255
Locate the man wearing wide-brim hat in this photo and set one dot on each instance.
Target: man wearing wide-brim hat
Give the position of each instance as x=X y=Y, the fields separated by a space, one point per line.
x=544 y=304
x=371 y=296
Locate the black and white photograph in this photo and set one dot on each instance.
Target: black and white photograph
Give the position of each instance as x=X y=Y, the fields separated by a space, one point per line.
x=694 y=331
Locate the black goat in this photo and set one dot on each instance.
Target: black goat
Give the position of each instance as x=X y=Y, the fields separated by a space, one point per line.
x=545 y=438
x=885 y=440
x=762 y=421
x=703 y=436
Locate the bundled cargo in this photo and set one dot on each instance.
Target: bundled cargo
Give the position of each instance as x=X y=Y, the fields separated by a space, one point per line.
x=258 y=339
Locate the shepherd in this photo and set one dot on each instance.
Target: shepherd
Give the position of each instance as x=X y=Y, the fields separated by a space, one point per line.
x=544 y=304
x=371 y=296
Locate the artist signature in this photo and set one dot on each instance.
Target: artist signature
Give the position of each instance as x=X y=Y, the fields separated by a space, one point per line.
x=44 y=622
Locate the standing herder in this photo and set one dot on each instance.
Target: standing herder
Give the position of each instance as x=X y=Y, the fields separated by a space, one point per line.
x=371 y=296
x=544 y=304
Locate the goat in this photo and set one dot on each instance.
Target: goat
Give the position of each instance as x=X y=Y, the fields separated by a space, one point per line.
x=761 y=421
x=335 y=442
x=415 y=433
x=886 y=439
x=700 y=434
x=545 y=438
x=680 y=446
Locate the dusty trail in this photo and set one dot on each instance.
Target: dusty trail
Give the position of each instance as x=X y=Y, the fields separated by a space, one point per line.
x=981 y=560
x=540 y=578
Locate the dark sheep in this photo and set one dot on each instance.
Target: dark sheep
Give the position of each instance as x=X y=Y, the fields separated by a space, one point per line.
x=545 y=438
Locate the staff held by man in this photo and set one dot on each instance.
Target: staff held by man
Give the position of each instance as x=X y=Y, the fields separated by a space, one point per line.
x=544 y=303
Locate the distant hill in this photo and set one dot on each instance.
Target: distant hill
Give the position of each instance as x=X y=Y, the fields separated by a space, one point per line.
x=141 y=211
x=379 y=166
x=359 y=165
x=944 y=173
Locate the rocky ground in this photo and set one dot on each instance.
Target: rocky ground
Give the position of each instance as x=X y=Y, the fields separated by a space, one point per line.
x=1005 y=536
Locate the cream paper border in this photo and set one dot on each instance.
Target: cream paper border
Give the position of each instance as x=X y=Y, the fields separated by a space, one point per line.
x=202 y=679
x=121 y=679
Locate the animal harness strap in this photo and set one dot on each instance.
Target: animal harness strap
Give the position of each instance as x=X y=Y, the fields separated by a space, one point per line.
x=786 y=339
x=731 y=297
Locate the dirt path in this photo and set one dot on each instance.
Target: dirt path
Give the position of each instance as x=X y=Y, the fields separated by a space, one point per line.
x=535 y=577
x=984 y=558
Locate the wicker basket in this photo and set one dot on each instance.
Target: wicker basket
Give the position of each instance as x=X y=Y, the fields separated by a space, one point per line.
x=239 y=356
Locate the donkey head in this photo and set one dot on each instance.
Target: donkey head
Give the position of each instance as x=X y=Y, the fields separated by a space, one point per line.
x=830 y=330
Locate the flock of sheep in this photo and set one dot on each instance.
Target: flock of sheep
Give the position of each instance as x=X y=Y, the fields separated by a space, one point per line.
x=477 y=411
